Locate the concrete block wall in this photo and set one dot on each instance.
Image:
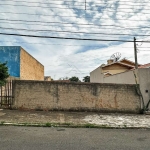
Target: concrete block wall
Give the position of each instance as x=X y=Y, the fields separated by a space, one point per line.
x=30 y=68
x=46 y=95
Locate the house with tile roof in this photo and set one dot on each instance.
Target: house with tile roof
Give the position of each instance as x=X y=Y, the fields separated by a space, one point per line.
x=124 y=72
x=111 y=68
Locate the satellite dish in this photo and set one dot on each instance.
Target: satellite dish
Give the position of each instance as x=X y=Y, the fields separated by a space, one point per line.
x=115 y=56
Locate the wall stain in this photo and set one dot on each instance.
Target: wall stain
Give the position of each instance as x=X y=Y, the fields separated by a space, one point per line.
x=116 y=103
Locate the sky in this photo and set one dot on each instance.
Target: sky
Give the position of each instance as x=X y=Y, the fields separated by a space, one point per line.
x=102 y=20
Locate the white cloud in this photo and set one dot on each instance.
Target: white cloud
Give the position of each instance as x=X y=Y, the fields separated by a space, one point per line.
x=63 y=58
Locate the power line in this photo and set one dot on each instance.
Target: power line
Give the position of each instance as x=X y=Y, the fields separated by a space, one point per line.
x=20 y=13
x=69 y=1
x=55 y=0
x=97 y=29
x=72 y=35
x=78 y=2
x=37 y=2
x=100 y=46
x=92 y=1
x=38 y=6
x=70 y=45
x=62 y=8
x=49 y=44
x=31 y=30
x=122 y=1
x=99 y=25
x=68 y=38
x=65 y=23
x=81 y=24
x=77 y=8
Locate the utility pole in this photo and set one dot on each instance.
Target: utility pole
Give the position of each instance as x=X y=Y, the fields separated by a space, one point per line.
x=85 y=4
x=135 y=54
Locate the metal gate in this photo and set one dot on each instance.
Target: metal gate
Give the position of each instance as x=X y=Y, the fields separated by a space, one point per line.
x=6 y=98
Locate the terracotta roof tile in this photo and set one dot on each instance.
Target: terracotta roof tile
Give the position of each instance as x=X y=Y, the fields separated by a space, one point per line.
x=145 y=66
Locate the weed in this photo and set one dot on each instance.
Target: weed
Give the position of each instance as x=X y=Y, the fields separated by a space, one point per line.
x=48 y=124
x=89 y=125
x=125 y=125
x=2 y=122
x=67 y=124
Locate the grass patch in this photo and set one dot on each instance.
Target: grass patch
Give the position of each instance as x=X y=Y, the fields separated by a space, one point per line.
x=89 y=125
x=65 y=125
x=48 y=124
x=125 y=125
x=2 y=122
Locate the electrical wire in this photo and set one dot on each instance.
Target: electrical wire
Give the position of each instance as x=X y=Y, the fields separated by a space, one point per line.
x=99 y=25
x=50 y=44
x=20 y=13
x=110 y=1
x=76 y=8
x=84 y=24
x=31 y=30
x=40 y=3
x=92 y=1
x=78 y=2
x=97 y=28
x=37 y=6
x=68 y=38
x=59 y=44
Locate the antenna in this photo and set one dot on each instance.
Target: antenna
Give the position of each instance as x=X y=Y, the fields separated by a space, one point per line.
x=116 y=56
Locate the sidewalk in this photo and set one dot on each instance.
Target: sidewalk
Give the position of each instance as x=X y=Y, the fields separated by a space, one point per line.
x=73 y=119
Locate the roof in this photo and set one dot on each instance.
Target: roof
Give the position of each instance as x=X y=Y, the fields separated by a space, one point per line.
x=142 y=66
x=131 y=64
x=118 y=62
x=129 y=61
x=145 y=66
x=122 y=63
x=105 y=73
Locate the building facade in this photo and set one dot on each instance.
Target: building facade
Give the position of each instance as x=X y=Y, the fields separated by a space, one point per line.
x=111 y=68
x=21 y=64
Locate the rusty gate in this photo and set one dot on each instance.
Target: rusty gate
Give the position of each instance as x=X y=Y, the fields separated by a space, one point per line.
x=6 y=98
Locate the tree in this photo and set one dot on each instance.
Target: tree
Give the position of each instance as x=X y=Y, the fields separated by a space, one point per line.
x=3 y=73
x=86 y=79
x=74 y=79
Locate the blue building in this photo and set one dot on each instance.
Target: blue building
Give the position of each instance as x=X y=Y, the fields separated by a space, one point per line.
x=21 y=64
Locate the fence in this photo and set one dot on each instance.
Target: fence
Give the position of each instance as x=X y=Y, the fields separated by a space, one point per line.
x=6 y=98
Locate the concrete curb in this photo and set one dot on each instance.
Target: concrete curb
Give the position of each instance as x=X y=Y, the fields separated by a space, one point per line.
x=68 y=125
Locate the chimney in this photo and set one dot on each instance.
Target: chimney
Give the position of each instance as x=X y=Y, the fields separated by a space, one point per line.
x=110 y=61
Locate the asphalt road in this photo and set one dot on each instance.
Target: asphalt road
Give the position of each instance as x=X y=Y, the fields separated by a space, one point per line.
x=39 y=138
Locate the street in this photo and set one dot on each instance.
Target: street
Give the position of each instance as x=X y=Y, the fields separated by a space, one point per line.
x=49 y=138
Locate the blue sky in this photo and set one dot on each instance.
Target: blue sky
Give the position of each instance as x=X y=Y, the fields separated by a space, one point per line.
x=67 y=58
